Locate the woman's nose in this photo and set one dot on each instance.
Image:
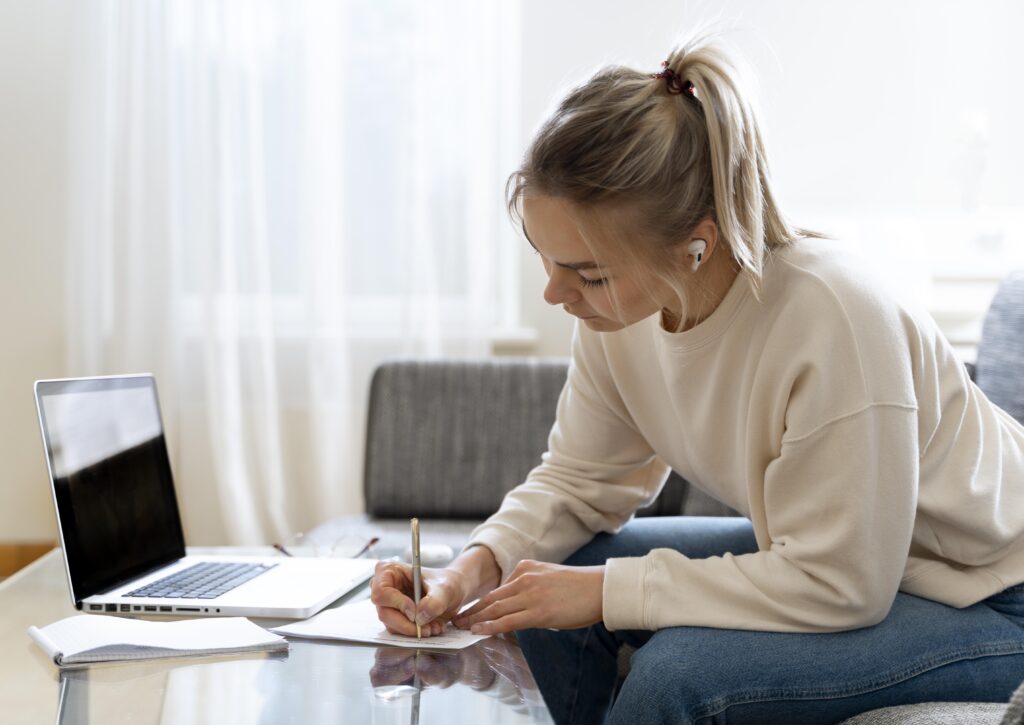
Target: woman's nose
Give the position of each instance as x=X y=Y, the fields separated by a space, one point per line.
x=560 y=288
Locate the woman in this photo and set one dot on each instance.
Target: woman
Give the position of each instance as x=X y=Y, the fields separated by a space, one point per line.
x=881 y=558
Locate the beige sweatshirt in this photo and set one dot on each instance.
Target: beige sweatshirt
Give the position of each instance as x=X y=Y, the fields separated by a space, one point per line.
x=837 y=419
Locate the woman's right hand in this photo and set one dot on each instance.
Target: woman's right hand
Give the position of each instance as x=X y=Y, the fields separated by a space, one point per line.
x=391 y=591
x=473 y=573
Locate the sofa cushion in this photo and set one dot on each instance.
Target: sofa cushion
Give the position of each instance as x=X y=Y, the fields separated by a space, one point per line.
x=449 y=438
x=999 y=371
x=947 y=713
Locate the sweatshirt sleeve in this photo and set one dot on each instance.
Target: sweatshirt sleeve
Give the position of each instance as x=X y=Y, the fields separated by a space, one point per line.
x=839 y=505
x=598 y=470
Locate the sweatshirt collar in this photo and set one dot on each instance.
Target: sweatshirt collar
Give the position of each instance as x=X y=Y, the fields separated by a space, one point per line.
x=709 y=329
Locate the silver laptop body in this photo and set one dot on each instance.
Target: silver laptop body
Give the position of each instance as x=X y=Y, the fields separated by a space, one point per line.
x=119 y=523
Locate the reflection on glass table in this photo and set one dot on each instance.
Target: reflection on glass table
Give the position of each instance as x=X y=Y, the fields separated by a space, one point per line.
x=315 y=682
x=494 y=666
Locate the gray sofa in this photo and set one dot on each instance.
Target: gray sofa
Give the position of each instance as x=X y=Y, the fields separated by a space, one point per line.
x=447 y=439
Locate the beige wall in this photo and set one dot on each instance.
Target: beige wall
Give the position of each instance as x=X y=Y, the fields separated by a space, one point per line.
x=34 y=67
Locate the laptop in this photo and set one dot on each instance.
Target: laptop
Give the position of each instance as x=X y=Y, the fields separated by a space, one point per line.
x=119 y=524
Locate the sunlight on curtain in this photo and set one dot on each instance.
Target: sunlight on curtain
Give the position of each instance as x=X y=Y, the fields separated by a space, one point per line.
x=270 y=197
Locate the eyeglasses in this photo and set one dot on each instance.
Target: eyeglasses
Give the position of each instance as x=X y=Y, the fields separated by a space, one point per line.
x=340 y=547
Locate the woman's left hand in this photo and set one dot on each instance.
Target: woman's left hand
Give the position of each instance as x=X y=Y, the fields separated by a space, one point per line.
x=539 y=595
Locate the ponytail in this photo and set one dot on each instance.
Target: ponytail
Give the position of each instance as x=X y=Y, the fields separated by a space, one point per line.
x=746 y=212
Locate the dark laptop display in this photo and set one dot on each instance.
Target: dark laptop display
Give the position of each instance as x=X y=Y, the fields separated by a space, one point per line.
x=116 y=508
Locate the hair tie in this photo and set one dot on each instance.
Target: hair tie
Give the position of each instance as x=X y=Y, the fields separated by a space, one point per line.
x=674 y=82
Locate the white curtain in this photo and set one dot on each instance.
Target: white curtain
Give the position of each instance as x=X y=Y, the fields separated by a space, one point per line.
x=268 y=198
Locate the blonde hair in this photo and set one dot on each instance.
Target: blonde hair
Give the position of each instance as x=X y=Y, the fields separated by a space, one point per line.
x=624 y=147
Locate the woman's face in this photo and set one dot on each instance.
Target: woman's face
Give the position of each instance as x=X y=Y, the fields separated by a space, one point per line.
x=579 y=283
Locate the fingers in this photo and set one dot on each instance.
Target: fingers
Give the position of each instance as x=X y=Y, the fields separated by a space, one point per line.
x=442 y=596
x=390 y=591
x=516 y=604
x=390 y=587
x=397 y=623
x=397 y=571
x=496 y=610
x=522 y=576
x=435 y=605
x=392 y=574
x=494 y=604
x=522 y=619
x=481 y=604
x=432 y=629
x=505 y=590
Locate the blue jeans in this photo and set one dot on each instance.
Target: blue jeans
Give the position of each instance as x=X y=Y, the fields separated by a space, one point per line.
x=922 y=652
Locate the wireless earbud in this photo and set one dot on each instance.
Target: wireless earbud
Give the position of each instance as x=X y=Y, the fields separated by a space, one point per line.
x=696 y=248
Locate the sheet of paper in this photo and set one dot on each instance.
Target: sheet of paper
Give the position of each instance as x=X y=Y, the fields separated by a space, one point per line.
x=358 y=622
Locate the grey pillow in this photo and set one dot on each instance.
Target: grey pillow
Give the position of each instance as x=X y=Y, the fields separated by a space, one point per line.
x=947 y=713
x=1000 y=368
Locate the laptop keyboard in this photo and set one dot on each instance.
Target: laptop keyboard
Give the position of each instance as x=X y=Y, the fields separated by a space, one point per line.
x=206 y=580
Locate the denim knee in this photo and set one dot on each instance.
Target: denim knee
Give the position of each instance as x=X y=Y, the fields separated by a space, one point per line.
x=575 y=670
x=662 y=687
x=531 y=640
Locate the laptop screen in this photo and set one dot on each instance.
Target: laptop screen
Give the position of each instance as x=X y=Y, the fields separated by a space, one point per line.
x=112 y=484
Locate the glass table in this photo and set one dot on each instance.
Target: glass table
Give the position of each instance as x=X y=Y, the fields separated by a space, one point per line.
x=314 y=682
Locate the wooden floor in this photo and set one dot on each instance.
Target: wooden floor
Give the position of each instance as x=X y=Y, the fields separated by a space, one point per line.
x=17 y=556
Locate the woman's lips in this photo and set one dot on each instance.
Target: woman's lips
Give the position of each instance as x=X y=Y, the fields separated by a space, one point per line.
x=577 y=314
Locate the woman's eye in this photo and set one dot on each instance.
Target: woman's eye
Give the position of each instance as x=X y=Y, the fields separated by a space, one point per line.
x=593 y=282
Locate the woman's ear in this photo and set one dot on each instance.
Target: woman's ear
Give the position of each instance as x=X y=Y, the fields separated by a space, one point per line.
x=708 y=231
x=699 y=244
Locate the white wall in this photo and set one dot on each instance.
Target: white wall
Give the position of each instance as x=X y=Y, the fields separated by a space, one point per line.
x=34 y=66
x=894 y=123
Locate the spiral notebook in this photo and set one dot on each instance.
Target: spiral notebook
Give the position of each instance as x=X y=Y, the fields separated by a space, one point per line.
x=92 y=638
